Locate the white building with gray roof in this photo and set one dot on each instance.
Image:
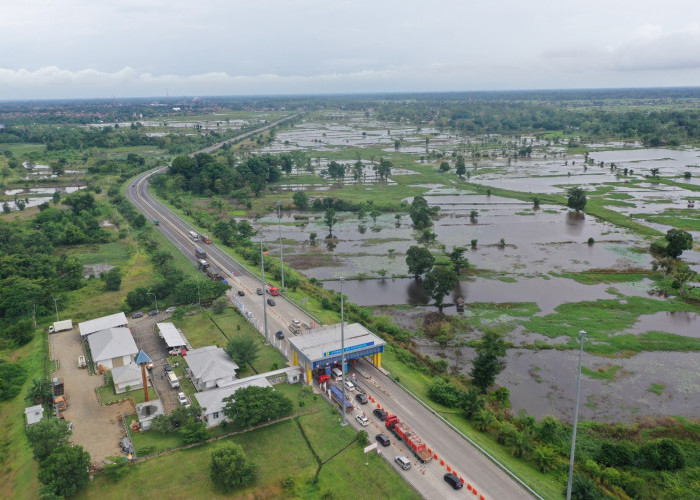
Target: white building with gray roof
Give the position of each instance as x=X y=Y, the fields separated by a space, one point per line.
x=103 y=323
x=112 y=347
x=211 y=367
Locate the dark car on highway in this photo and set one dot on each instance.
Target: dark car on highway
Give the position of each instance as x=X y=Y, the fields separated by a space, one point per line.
x=241 y=293
x=271 y=302
x=453 y=480
x=259 y=291
x=383 y=440
x=362 y=399
x=279 y=334
x=380 y=414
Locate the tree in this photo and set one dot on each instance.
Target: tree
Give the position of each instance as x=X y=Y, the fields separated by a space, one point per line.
x=330 y=220
x=419 y=261
x=336 y=170
x=65 y=470
x=678 y=240
x=487 y=365
x=484 y=419
x=440 y=281
x=460 y=166
x=220 y=305
x=384 y=168
x=472 y=402
x=301 y=200
x=161 y=424
x=230 y=468
x=40 y=392
x=112 y=279
x=544 y=458
x=654 y=172
x=420 y=213
x=473 y=215
x=243 y=349
x=47 y=435
x=444 y=166
x=577 y=198
x=254 y=405
x=194 y=431
x=583 y=488
x=458 y=260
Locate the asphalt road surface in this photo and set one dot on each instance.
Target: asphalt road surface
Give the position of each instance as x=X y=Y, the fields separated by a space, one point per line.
x=489 y=480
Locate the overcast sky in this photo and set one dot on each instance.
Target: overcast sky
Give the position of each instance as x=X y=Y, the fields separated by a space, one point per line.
x=124 y=48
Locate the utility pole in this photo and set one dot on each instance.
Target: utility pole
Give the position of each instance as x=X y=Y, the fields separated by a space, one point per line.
x=199 y=297
x=154 y=298
x=342 y=350
x=581 y=339
x=262 y=265
x=55 y=303
x=279 y=224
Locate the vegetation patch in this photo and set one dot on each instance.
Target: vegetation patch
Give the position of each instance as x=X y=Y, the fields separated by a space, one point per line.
x=603 y=373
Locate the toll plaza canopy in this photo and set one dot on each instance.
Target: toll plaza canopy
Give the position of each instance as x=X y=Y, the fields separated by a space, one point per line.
x=321 y=346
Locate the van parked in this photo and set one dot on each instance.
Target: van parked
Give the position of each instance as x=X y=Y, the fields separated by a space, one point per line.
x=174 y=382
x=336 y=372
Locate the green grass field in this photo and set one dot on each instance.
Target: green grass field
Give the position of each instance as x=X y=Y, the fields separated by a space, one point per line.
x=281 y=452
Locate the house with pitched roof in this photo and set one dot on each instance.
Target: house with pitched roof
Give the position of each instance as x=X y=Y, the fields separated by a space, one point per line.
x=211 y=367
x=112 y=347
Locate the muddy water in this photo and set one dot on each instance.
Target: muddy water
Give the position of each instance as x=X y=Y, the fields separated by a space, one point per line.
x=548 y=293
x=679 y=322
x=544 y=383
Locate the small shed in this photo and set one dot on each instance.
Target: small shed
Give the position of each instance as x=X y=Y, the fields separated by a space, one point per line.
x=34 y=414
x=127 y=376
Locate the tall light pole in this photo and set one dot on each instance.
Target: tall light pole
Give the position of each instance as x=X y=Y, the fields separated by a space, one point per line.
x=342 y=349
x=55 y=304
x=262 y=266
x=199 y=296
x=279 y=224
x=154 y=298
x=581 y=339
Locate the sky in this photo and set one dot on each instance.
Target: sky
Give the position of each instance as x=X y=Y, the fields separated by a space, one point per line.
x=132 y=48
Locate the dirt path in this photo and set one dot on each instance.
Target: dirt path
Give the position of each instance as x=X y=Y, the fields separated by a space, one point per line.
x=95 y=427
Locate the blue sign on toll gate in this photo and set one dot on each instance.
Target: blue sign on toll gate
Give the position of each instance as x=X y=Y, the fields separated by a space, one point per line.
x=348 y=349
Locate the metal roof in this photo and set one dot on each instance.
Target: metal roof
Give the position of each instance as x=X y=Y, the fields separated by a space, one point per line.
x=171 y=335
x=126 y=373
x=111 y=343
x=212 y=399
x=323 y=344
x=210 y=363
x=97 y=324
x=34 y=414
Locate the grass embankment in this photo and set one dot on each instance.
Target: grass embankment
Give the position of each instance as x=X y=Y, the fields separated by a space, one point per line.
x=597 y=276
x=280 y=450
x=417 y=382
x=18 y=470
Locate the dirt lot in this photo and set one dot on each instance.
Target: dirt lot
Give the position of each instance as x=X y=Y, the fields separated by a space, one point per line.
x=96 y=427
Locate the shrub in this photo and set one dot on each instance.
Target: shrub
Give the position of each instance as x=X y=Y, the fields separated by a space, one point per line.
x=663 y=454
x=445 y=393
x=616 y=454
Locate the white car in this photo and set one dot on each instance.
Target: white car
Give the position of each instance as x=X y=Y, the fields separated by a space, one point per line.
x=170 y=309
x=182 y=399
x=296 y=322
x=349 y=385
x=364 y=421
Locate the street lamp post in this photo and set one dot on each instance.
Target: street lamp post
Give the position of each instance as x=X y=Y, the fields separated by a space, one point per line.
x=55 y=304
x=279 y=224
x=154 y=298
x=581 y=339
x=342 y=349
x=262 y=265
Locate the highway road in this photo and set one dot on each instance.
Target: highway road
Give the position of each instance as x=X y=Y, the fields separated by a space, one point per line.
x=490 y=481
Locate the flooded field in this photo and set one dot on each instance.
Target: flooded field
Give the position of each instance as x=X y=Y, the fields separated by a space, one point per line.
x=521 y=254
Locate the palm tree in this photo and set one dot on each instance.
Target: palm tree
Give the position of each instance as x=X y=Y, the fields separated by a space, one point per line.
x=40 y=392
x=484 y=419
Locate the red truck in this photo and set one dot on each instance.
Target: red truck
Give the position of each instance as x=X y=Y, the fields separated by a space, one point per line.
x=273 y=290
x=404 y=432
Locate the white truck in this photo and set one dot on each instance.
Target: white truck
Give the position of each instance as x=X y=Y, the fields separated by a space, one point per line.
x=60 y=326
x=174 y=382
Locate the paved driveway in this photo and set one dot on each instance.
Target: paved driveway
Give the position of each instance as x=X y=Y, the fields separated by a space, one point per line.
x=96 y=427
x=143 y=330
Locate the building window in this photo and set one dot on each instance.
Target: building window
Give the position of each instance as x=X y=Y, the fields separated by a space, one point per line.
x=215 y=415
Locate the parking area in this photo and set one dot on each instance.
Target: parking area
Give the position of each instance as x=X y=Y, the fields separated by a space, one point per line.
x=95 y=427
x=146 y=338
